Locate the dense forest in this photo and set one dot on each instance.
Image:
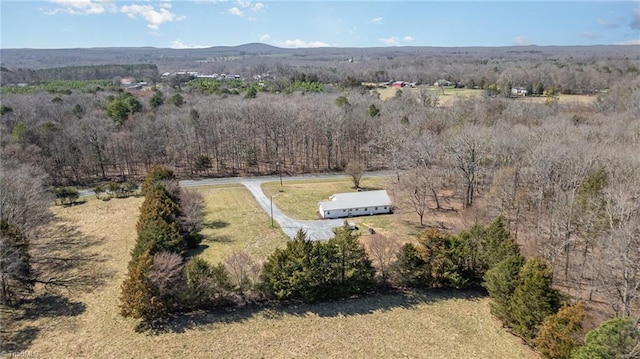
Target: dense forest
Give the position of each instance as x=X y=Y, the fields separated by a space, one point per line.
x=564 y=174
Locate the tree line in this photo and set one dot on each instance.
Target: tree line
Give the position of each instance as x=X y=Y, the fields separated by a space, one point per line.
x=78 y=73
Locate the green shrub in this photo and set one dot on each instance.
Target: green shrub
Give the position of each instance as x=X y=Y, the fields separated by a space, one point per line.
x=193 y=239
x=156 y=174
x=534 y=298
x=501 y=282
x=158 y=204
x=613 y=339
x=310 y=271
x=158 y=236
x=286 y=273
x=454 y=261
x=66 y=195
x=411 y=270
x=206 y=285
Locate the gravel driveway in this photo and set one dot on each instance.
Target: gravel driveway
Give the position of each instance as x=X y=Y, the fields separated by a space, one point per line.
x=320 y=229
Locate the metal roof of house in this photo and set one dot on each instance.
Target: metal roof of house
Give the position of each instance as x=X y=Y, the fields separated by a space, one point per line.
x=357 y=200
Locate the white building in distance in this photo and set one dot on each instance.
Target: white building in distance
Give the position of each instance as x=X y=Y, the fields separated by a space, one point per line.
x=352 y=204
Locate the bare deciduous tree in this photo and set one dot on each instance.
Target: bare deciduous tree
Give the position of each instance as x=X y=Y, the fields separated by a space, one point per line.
x=243 y=270
x=383 y=251
x=192 y=208
x=415 y=185
x=620 y=247
x=355 y=169
x=24 y=212
x=468 y=151
x=166 y=274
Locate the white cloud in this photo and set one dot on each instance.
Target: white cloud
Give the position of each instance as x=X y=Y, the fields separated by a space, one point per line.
x=521 y=41
x=590 y=35
x=265 y=38
x=178 y=44
x=247 y=4
x=153 y=18
x=235 y=11
x=390 y=41
x=629 y=42
x=407 y=38
x=611 y=24
x=81 y=7
x=300 y=43
x=239 y=10
x=377 y=20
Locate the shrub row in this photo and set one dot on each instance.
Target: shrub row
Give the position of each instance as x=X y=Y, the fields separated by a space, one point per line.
x=310 y=271
x=454 y=261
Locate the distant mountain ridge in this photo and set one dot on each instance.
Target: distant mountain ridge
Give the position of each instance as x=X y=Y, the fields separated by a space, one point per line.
x=172 y=59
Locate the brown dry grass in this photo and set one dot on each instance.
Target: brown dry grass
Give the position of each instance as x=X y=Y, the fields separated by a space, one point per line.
x=446 y=96
x=435 y=325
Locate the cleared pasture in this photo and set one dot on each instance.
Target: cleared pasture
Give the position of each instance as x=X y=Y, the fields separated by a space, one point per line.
x=446 y=95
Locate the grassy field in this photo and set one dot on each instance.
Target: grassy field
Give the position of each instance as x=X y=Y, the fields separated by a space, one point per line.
x=235 y=221
x=299 y=199
x=86 y=324
x=447 y=95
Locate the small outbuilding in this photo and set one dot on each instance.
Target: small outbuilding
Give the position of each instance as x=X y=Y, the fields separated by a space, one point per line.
x=352 y=204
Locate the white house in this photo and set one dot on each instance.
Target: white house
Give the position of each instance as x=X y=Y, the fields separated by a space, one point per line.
x=355 y=204
x=519 y=91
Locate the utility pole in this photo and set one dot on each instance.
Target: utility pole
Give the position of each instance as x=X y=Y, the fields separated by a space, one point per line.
x=279 y=172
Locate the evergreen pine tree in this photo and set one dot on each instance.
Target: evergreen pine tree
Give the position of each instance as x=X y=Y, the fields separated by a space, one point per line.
x=137 y=297
x=501 y=282
x=617 y=338
x=534 y=298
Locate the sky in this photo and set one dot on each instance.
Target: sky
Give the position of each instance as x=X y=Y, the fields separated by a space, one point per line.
x=303 y=23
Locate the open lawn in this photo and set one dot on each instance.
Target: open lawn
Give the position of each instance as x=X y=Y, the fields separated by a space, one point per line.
x=86 y=324
x=299 y=199
x=235 y=221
